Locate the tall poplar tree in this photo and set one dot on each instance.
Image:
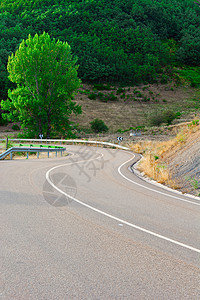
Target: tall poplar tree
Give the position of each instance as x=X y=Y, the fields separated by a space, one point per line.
x=46 y=76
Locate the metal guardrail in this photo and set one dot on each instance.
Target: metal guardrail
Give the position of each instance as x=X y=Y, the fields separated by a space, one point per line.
x=32 y=149
x=70 y=142
x=56 y=149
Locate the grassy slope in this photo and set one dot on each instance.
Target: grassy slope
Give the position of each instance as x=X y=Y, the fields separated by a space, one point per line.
x=174 y=162
x=132 y=110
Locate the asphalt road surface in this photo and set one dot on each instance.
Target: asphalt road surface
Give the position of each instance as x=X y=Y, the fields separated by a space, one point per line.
x=84 y=227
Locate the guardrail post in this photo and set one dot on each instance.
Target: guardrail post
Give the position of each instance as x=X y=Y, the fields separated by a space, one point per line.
x=27 y=155
x=7 y=143
x=38 y=153
x=48 y=154
x=11 y=155
x=56 y=153
x=61 y=153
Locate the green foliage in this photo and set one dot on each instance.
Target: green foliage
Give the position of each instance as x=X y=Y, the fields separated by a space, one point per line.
x=169 y=116
x=100 y=86
x=131 y=128
x=189 y=52
x=190 y=74
x=164 y=79
x=163 y=117
x=110 y=97
x=92 y=96
x=146 y=99
x=103 y=97
x=15 y=127
x=115 y=41
x=120 y=90
x=98 y=126
x=123 y=96
x=156 y=119
x=193 y=123
x=46 y=77
x=3 y=121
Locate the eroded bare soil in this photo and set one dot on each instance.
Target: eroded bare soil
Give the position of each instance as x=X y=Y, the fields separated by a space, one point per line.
x=184 y=164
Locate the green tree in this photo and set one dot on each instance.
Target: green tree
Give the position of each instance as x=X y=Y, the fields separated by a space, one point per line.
x=98 y=126
x=46 y=76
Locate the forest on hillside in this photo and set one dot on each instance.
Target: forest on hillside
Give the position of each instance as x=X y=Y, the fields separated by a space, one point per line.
x=126 y=41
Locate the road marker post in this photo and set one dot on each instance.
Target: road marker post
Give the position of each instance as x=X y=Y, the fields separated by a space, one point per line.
x=120 y=139
x=6 y=143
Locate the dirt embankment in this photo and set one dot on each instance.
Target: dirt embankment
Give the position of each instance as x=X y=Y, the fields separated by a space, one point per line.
x=175 y=162
x=184 y=164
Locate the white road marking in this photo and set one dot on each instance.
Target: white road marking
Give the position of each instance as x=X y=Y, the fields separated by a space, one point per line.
x=113 y=217
x=153 y=190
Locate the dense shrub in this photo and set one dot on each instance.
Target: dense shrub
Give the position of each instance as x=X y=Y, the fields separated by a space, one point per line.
x=15 y=127
x=2 y=121
x=156 y=119
x=92 y=96
x=100 y=86
x=120 y=90
x=98 y=126
x=166 y=117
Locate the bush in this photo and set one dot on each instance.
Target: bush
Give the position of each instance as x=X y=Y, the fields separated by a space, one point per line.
x=169 y=116
x=111 y=97
x=98 y=126
x=164 y=79
x=101 y=87
x=123 y=96
x=161 y=117
x=15 y=127
x=101 y=96
x=120 y=90
x=3 y=121
x=190 y=74
x=92 y=96
x=156 y=119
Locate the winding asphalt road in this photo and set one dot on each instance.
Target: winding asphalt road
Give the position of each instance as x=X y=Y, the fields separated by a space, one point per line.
x=85 y=227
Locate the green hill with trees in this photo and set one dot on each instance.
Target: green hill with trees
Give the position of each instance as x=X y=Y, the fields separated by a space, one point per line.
x=127 y=42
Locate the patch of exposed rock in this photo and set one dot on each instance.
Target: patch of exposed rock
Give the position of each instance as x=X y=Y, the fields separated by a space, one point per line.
x=184 y=165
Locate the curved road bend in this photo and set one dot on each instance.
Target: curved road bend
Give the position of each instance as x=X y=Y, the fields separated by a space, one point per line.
x=106 y=235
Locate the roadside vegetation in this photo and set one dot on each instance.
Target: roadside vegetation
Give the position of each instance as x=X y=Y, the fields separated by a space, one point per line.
x=138 y=106
x=46 y=76
x=117 y=44
x=157 y=156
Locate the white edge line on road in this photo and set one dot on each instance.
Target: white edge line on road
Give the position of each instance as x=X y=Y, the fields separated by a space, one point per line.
x=113 y=217
x=154 y=190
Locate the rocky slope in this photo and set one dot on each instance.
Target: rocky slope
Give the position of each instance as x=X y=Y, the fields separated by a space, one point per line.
x=184 y=164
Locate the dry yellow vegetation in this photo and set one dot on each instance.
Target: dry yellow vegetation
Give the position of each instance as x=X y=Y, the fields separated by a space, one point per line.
x=156 y=153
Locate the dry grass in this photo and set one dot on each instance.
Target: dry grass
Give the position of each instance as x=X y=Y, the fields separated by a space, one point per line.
x=131 y=111
x=153 y=163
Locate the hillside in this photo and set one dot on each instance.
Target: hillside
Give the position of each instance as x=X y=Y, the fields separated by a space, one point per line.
x=146 y=51
x=130 y=41
x=142 y=105
x=184 y=164
x=174 y=162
